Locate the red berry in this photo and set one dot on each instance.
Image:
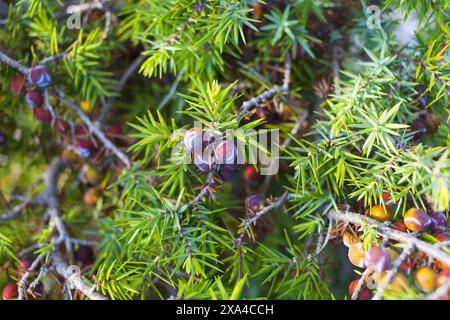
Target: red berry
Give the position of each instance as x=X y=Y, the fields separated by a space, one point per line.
x=85 y=148
x=229 y=172
x=400 y=226
x=34 y=99
x=250 y=174
x=61 y=126
x=85 y=254
x=352 y=286
x=225 y=152
x=10 y=291
x=254 y=202
x=42 y=114
x=417 y=220
x=18 y=85
x=25 y=263
x=407 y=266
x=386 y=197
x=40 y=76
x=365 y=294
x=438 y=221
x=377 y=259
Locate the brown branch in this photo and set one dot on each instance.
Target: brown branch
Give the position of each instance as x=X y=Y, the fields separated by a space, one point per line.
x=252 y=220
x=248 y=105
x=360 y=284
x=74 y=278
x=14 y=64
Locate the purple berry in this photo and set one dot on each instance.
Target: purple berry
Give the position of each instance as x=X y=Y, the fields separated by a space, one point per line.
x=34 y=99
x=40 y=76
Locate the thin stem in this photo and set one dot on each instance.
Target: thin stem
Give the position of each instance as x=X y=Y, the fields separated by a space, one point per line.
x=94 y=129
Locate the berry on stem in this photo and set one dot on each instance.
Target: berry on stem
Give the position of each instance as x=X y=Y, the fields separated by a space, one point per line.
x=349 y=239
x=254 y=202
x=251 y=175
x=417 y=220
x=34 y=99
x=61 y=126
x=438 y=221
x=400 y=226
x=90 y=197
x=442 y=277
x=42 y=114
x=379 y=213
x=40 y=76
x=425 y=279
x=229 y=172
x=10 y=291
x=25 y=263
x=85 y=148
x=356 y=254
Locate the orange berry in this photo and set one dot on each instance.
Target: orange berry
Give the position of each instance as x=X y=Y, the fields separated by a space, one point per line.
x=349 y=238
x=379 y=213
x=425 y=279
x=356 y=254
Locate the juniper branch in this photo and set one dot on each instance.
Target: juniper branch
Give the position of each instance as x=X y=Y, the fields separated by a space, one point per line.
x=248 y=105
x=407 y=239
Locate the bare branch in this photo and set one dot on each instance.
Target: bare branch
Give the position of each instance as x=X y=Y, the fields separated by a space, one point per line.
x=173 y=88
x=16 y=65
x=248 y=105
x=251 y=221
x=360 y=284
x=74 y=278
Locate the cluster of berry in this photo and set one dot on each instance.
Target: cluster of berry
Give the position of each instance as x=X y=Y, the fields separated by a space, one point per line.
x=209 y=153
x=38 y=79
x=428 y=274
